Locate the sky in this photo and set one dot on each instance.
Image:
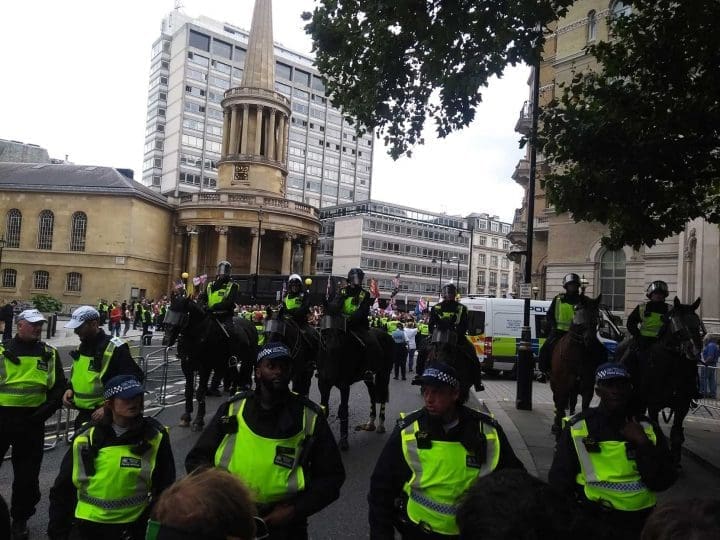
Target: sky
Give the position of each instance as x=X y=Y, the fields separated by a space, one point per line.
x=75 y=80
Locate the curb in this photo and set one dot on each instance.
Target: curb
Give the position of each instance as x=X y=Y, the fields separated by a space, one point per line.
x=703 y=462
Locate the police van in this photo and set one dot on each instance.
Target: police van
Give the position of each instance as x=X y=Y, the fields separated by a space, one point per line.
x=495 y=325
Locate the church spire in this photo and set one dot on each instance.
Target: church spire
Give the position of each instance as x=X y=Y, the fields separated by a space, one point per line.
x=260 y=59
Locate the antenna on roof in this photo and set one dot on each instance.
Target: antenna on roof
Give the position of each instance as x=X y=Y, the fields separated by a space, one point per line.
x=178 y=5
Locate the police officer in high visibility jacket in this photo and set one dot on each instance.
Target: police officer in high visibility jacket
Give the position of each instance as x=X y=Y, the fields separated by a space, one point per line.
x=432 y=457
x=31 y=388
x=560 y=316
x=646 y=320
x=295 y=304
x=114 y=470
x=221 y=296
x=612 y=462
x=279 y=444
x=99 y=358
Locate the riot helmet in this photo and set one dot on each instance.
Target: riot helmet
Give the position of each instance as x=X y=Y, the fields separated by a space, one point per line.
x=570 y=278
x=658 y=287
x=355 y=277
x=294 y=283
x=224 y=268
x=449 y=291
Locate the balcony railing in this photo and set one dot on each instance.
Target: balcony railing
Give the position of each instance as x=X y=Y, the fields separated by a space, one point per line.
x=541 y=223
x=238 y=200
x=524 y=122
x=256 y=92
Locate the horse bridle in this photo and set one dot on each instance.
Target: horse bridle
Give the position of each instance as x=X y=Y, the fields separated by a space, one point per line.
x=679 y=330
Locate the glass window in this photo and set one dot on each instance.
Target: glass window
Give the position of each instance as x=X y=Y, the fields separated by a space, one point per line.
x=283 y=71
x=41 y=280
x=78 y=231
x=591 y=25
x=199 y=41
x=612 y=279
x=494 y=242
x=482 y=259
x=74 y=282
x=46 y=223
x=220 y=48
x=301 y=77
x=13 y=225
x=318 y=84
x=9 y=278
x=239 y=55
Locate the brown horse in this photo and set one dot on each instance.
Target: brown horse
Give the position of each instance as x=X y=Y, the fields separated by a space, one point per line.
x=574 y=361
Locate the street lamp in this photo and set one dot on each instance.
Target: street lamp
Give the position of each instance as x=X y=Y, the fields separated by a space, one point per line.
x=583 y=284
x=535 y=291
x=435 y=261
x=185 y=277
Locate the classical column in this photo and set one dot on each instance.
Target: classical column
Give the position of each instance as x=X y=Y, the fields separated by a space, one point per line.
x=281 y=139
x=193 y=233
x=287 y=253
x=286 y=136
x=226 y=130
x=222 y=240
x=270 y=138
x=244 y=136
x=307 y=256
x=234 y=131
x=258 y=129
x=176 y=255
x=255 y=249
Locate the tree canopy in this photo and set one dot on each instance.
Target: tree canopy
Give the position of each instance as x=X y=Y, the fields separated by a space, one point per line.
x=635 y=144
x=391 y=64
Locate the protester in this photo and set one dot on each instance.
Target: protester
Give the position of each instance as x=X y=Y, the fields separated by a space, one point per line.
x=410 y=333
x=711 y=353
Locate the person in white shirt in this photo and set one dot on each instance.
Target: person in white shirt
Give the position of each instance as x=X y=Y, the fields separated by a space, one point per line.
x=410 y=333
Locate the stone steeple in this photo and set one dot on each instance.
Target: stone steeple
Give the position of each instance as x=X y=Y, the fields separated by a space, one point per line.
x=260 y=60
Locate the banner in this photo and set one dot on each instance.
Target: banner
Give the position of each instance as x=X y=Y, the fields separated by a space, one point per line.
x=374 y=289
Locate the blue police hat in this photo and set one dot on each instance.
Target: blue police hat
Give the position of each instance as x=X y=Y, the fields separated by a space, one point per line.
x=611 y=370
x=123 y=387
x=274 y=351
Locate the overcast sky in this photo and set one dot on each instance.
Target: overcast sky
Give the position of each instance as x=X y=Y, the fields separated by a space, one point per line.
x=75 y=79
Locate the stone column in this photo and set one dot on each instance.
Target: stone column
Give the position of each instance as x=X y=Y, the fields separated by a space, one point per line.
x=255 y=249
x=176 y=256
x=281 y=140
x=287 y=253
x=258 y=129
x=192 y=268
x=270 y=138
x=286 y=136
x=245 y=121
x=307 y=256
x=222 y=240
x=234 y=131
x=226 y=132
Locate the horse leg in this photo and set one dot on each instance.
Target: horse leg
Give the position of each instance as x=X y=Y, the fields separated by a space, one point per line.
x=561 y=402
x=199 y=422
x=324 y=388
x=343 y=416
x=381 y=419
x=677 y=432
x=189 y=391
x=370 y=424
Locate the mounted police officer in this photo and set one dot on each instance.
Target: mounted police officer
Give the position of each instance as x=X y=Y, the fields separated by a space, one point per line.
x=295 y=305
x=279 y=444
x=432 y=457
x=613 y=462
x=114 y=471
x=560 y=316
x=646 y=320
x=31 y=388
x=99 y=358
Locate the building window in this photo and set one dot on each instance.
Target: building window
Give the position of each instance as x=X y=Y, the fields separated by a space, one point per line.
x=494 y=242
x=612 y=279
x=482 y=259
x=493 y=279
x=493 y=260
x=41 y=280
x=283 y=71
x=13 y=225
x=220 y=48
x=199 y=41
x=78 y=231
x=46 y=224
x=74 y=282
x=591 y=25
x=9 y=278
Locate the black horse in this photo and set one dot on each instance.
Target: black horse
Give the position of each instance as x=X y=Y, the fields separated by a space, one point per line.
x=343 y=360
x=303 y=347
x=666 y=373
x=204 y=346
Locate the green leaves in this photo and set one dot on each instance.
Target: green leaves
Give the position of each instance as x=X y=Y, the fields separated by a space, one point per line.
x=636 y=144
x=393 y=63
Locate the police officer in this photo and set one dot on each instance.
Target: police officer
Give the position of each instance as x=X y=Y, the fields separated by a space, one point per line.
x=31 y=388
x=295 y=304
x=114 y=470
x=279 y=444
x=646 y=320
x=432 y=457
x=613 y=462
x=560 y=316
x=99 y=358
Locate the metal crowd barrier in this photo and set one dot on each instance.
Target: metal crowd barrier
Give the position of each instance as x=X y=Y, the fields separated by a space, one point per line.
x=708 y=386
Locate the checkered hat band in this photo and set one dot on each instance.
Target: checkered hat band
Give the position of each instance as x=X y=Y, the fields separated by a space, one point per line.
x=277 y=351
x=120 y=388
x=611 y=373
x=434 y=373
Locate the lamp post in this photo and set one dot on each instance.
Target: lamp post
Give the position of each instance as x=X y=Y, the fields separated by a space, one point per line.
x=435 y=261
x=185 y=277
x=535 y=291
x=3 y=243
x=583 y=284
x=257 y=256
x=457 y=271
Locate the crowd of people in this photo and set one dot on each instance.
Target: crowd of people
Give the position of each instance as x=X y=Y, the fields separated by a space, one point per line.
x=268 y=460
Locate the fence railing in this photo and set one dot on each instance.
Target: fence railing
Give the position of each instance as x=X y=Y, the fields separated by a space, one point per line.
x=707 y=385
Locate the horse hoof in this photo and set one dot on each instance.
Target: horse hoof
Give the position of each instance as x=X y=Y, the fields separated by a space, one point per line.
x=365 y=427
x=381 y=429
x=343 y=444
x=197 y=426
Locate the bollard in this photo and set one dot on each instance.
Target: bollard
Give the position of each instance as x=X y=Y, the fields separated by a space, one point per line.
x=48 y=329
x=54 y=324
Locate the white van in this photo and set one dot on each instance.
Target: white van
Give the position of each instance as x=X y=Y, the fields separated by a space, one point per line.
x=495 y=325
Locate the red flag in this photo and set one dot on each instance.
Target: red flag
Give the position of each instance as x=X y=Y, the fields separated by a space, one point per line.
x=374 y=289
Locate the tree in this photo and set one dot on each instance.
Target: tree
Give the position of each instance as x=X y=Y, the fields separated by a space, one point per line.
x=46 y=303
x=392 y=63
x=634 y=145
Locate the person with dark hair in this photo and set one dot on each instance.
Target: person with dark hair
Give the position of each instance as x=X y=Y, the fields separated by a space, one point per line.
x=7 y=314
x=278 y=444
x=432 y=457
x=612 y=462
x=208 y=504
x=691 y=519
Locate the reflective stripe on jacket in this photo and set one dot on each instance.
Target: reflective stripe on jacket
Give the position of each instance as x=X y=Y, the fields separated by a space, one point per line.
x=607 y=475
x=564 y=313
x=441 y=474
x=293 y=303
x=26 y=383
x=86 y=377
x=452 y=316
x=271 y=468
x=113 y=482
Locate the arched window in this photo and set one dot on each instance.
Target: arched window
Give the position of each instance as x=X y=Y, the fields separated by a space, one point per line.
x=620 y=9
x=9 y=278
x=74 y=282
x=612 y=279
x=46 y=223
x=591 y=25
x=78 y=231
x=41 y=280
x=13 y=224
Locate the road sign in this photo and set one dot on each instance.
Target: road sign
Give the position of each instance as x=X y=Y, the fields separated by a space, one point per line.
x=525 y=290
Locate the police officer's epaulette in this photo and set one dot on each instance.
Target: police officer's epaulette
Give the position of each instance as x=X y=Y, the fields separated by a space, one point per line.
x=402 y=423
x=483 y=417
x=117 y=341
x=575 y=418
x=244 y=394
x=310 y=404
x=152 y=426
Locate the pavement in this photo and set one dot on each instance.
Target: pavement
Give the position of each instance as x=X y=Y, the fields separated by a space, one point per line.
x=529 y=431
